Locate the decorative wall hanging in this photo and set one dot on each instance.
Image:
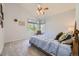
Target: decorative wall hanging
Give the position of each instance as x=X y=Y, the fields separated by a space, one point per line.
x=20 y=22
x=1 y=15
x=15 y=20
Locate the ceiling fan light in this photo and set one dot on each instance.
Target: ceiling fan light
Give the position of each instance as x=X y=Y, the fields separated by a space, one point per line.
x=41 y=12
x=46 y=8
x=38 y=13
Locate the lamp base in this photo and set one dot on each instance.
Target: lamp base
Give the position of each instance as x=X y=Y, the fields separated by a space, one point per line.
x=38 y=32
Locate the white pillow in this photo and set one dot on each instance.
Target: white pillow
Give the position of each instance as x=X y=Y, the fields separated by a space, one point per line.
x=63 y=37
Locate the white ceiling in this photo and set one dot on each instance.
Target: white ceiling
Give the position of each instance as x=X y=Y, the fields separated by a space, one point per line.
x=55 y=8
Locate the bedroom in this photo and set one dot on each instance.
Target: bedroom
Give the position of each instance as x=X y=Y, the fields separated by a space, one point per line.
x=21 y=22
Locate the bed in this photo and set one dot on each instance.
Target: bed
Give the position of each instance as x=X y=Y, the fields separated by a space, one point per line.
x=51 y=46
x=54 y=47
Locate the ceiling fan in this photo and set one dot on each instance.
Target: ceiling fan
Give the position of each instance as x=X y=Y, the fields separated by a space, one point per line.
x=41 y=9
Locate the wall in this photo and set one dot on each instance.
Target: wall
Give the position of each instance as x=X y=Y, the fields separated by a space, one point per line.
x=60 y=22
x=1 y=40
x=12 y=30
x=77 y=15
x=54 y=23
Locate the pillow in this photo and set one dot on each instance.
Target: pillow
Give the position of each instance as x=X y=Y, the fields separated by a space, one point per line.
x=62 y=37
x=69 y=37
x=69 y=41
x=65 y=36
x=59 y=35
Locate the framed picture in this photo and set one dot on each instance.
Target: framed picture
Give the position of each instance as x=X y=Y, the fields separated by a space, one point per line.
x=1 y=16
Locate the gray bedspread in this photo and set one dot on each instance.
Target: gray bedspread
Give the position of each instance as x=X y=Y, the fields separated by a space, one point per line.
x=51 y=46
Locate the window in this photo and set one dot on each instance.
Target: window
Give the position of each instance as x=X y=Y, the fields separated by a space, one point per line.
x=34 y=26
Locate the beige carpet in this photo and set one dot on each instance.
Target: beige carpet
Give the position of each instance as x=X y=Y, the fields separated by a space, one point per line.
x=20 y=48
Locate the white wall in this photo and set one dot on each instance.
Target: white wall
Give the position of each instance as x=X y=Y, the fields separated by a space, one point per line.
x=60 y=22
x=12 y=30
x=55 y=23
x=1 y=40
x=77 y=15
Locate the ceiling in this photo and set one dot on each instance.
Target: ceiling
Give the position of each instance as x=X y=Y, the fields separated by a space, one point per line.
x=55 y=8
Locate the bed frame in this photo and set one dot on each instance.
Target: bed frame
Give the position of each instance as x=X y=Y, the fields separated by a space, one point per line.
x=75 y=46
